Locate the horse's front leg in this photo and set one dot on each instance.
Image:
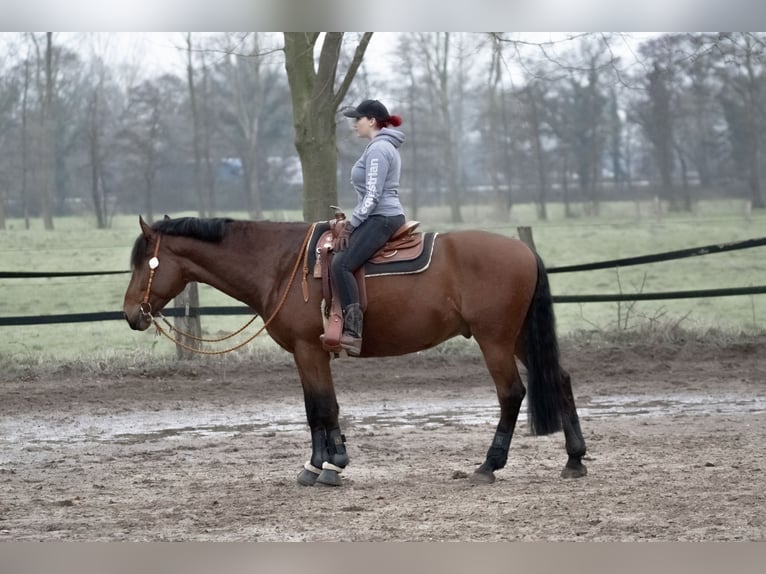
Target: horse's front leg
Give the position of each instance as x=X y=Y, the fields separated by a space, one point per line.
x=328 y=451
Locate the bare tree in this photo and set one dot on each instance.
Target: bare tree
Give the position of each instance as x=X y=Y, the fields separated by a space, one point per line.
x=412 y=166
x=96 y=126
x=45 y=88
x=9 y=98
x=196 y=144
x=496 y=128
x=25 y=123
x=149 y=111
x=249 y=85
x=743 y=72
x=433 y=50
x=207 y=129
x=534 y=99
x=316 y=100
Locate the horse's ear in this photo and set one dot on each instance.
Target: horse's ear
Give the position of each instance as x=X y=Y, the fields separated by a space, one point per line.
x=166 y=216
x=145 y=228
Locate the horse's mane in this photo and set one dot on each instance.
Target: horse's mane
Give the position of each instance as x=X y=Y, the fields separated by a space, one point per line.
x=210 y=229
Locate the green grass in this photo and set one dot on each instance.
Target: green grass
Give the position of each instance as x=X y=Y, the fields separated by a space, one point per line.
x=621 y=230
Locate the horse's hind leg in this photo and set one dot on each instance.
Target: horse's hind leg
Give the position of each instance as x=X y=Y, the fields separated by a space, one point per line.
x=575 y=443
x=510 y=393
x=328 y=450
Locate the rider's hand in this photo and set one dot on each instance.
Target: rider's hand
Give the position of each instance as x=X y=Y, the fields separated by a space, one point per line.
x=341 y=239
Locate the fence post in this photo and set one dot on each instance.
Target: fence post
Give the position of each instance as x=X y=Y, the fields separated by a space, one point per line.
x=525 y=234
x=188 y=299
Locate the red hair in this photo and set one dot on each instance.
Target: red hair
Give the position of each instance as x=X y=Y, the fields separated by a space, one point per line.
x=395 y=121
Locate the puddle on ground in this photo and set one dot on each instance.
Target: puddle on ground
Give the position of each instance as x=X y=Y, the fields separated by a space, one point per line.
x=146 y=426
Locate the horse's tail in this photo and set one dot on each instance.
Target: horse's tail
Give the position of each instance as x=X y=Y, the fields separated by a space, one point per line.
x=544 y=378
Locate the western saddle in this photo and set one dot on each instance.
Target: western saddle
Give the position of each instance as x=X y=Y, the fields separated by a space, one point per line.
x=404 y=245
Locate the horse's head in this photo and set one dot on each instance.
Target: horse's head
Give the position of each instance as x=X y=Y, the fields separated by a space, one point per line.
x=156 y=278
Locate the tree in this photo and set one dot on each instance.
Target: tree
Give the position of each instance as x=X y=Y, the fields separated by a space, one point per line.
x=252 y=95
x=47 y=150
x=9 y=98
x=433 y=49
x=658 y=124
x=533 y=99
x=316 y=100
x=496 y=130
x=743 y=72
x=151 y=107
x=95 y=136
x=205 y=200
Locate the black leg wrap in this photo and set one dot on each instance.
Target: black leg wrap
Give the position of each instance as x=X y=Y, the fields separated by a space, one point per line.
x=336 y=448
x=336 y=461
x=313 y=468
x=497 y=455
x=318 y=447
x=575 y=443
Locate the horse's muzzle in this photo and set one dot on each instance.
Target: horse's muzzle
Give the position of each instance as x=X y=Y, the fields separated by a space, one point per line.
x=137 y=320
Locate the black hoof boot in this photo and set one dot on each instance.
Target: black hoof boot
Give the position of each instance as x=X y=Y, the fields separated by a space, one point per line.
x=338 y=459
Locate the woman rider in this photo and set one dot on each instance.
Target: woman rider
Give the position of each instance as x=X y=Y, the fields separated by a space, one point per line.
x=377 y=215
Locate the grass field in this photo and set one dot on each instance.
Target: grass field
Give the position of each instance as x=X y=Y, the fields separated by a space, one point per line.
x=621 y=230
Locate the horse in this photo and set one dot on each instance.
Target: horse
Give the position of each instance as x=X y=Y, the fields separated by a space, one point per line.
x=479 y=284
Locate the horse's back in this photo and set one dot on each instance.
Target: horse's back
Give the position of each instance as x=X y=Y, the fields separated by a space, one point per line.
x=472 y=249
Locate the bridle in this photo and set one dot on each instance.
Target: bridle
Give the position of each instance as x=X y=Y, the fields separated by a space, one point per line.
x=145 y=307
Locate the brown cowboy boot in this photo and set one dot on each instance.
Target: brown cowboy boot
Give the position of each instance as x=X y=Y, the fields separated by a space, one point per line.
x=353 y=321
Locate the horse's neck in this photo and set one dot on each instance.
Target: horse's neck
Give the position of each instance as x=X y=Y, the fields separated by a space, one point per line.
x=252 y=264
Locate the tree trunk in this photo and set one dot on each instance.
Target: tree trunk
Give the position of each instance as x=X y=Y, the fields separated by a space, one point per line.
x=317 y=149
x=315 y=103
x=752 y=103
x=251 y=189
x=537 y=144
x=3 y=195
x=202 y=208
x=565 y=187
x=94 y=148
x=450 y=151
x=47 y=144
x=495 y=159
x=209 y=172
x=685 y=193
x=25 y=146
x=414 y=172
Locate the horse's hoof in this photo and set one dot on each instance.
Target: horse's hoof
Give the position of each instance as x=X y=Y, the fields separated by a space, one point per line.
x=574 y=471
x=307 y=478
x=482 y=477
x=329 y=477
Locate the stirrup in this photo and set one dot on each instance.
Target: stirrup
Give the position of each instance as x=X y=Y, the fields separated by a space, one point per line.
x=352 y=345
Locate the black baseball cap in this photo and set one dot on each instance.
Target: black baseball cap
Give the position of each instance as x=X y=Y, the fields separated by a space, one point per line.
x=368 y=109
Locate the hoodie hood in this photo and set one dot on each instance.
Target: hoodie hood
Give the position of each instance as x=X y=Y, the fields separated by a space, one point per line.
x=391 y=135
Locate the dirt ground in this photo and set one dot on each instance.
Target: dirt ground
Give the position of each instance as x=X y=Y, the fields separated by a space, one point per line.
x=676 y=436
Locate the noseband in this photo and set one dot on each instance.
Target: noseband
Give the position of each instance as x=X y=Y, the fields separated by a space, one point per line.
x=145 y=307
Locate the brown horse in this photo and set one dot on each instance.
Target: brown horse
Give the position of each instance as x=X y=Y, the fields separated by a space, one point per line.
x=478 y=284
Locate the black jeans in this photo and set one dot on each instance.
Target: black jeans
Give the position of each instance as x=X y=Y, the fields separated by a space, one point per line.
x=363 y=243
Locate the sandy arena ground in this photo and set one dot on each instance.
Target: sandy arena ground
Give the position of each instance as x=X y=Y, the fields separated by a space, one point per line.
x=676 y=437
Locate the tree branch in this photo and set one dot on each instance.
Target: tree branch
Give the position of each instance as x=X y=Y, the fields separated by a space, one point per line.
x=361 y=48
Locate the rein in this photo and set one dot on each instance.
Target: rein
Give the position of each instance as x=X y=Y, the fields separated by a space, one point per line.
x=146 y=307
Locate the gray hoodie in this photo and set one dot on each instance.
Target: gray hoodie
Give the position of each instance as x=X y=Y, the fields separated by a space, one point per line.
x=375 y=177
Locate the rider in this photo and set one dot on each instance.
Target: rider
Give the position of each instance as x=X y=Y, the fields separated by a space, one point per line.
x=377 y=215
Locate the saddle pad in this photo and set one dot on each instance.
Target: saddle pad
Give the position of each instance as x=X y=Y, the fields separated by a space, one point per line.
x=417 y=265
